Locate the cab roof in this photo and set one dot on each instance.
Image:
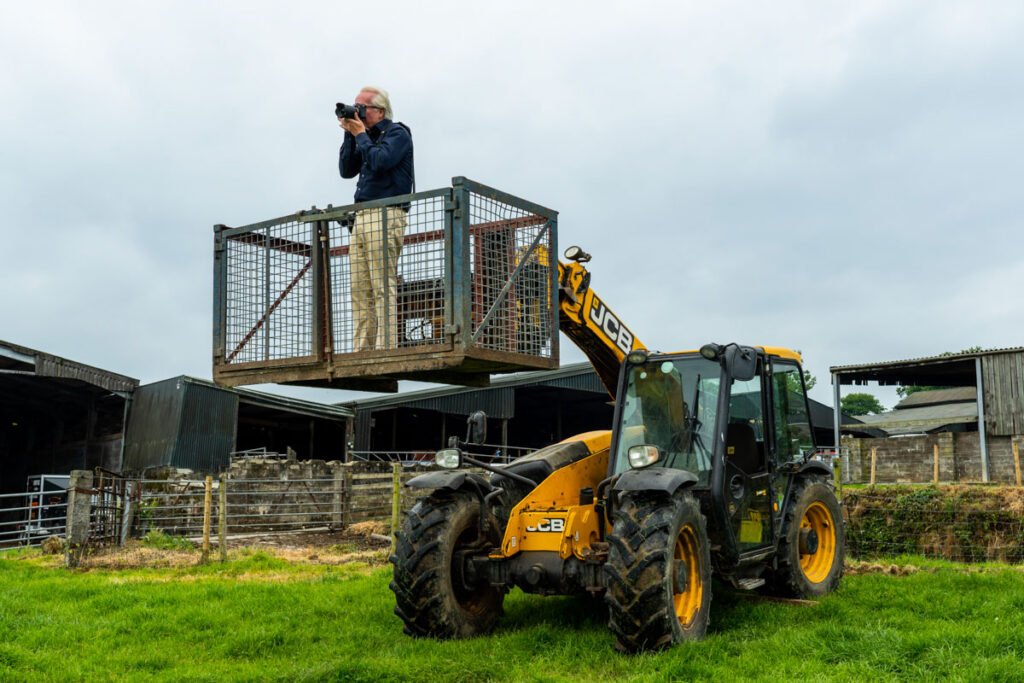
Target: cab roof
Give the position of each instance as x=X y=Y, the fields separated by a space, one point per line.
x=774 y=351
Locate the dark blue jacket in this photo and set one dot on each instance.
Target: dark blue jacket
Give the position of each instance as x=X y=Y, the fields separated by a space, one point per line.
x=382 y=157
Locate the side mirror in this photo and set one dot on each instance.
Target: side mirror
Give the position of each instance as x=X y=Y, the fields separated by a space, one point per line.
x=476 y=427
x=741 y=362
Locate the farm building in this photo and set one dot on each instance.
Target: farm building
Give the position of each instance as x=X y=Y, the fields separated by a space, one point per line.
x=525 y=411
x=189 y=423
x=966 y=430
x=57 y=415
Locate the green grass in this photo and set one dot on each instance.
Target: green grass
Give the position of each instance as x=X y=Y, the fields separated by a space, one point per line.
x=260 y=618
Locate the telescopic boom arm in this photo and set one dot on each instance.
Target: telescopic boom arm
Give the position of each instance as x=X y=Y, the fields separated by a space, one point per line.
x=589 y=323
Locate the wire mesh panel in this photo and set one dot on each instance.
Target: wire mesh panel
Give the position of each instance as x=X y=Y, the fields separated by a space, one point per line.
x=388 y=274
x=511 y=283
x=269 y=293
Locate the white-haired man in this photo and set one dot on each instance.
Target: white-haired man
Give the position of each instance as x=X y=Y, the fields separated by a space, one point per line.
x=379 y=151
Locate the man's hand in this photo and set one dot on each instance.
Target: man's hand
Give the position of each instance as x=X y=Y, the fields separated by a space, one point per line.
x=354 y=126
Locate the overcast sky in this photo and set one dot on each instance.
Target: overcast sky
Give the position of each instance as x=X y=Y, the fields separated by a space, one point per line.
x=841 y=178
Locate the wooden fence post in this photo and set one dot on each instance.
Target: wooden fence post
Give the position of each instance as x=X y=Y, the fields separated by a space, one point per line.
x=837 y=472
x=396 y=503
x=222 y=525
x=207 y=504
x=874 y=461
x=935 y=468
x=1016 y=462
x=346 y=499
x=337 y=499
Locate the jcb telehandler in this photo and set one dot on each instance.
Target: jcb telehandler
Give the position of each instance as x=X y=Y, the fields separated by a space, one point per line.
x=709 y=468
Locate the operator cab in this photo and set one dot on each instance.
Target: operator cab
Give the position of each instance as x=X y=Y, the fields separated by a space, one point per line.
x=735 y=417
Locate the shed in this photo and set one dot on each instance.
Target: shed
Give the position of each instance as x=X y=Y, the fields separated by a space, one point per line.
x=526 y=410
x=57 y=415
x=996 y=376
x=190 y=423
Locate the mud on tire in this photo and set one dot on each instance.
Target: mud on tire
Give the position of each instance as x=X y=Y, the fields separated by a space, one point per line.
x=812 y=548
x=432 y=598
x=658 y=572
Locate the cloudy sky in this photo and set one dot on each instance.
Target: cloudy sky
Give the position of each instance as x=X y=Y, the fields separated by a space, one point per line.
x=842 y=178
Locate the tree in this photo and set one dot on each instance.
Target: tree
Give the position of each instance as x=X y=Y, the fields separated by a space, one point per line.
x=861 y=404
x=793 y=384
x=903 y=392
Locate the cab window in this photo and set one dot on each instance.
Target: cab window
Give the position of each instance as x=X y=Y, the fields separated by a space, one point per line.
x=793 y=436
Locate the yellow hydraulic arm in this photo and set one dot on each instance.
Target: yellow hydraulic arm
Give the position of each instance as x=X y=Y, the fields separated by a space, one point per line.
x=588 y=321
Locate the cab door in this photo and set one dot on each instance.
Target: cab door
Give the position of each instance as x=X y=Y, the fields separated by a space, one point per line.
x=792 y=436
x=747 y=478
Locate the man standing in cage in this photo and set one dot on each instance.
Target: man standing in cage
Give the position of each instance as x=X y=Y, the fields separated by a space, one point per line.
x=379 y=151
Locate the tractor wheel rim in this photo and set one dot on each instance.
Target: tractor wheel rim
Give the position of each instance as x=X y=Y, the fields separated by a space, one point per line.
x=687 y=601
x=817 y=565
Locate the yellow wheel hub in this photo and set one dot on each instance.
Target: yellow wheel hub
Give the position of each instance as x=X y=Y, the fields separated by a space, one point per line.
x=816 y=561
x=688 y=589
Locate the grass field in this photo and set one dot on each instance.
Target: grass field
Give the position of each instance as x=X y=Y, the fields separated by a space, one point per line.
x=259 y=617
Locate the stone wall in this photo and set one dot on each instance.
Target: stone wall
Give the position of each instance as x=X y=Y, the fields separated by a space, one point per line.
x=275 y=494
x=911 y=459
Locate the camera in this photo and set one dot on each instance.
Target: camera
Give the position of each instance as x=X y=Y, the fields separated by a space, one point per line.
x=347 y=111
x=348 y=220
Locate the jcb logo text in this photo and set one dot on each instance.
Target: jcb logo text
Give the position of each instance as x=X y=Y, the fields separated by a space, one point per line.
x=548 y=525
x=611 y=326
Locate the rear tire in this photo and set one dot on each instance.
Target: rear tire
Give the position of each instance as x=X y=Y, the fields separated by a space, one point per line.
x=659 y=572
x=432 y=597
x=812 y=549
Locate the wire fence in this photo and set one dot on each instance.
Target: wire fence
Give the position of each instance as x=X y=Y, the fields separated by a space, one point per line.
x=490 y=453
x=28 y=519
x=962 y=523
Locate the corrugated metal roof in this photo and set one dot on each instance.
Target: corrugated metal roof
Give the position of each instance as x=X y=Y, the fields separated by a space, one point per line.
x=924 y=418
x=499 y=396
x=22 y=358
x=925 y=360
x=937 y=397
x=277 y=402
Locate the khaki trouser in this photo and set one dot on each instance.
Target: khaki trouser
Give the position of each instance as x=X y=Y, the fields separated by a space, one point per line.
x=373 y=257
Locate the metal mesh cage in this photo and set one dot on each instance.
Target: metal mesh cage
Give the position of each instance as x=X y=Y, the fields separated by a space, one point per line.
x=402 y=287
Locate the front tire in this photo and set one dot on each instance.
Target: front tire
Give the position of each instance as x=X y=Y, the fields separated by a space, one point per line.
x=433 y=595
x=812 y=549
x=659 y=572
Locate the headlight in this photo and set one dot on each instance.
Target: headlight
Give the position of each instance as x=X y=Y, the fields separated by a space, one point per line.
x=637 y=357
x=642 y=456
x=711 y=351
x=448 y=458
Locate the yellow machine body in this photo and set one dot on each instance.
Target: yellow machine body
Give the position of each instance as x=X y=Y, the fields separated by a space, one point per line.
x=551 y=518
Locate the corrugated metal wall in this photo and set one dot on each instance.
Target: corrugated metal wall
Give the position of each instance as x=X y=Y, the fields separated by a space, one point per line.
x=181 y=424
x=153 y=425
x=206 y=435
x=496 y=402
x=1003 y=377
